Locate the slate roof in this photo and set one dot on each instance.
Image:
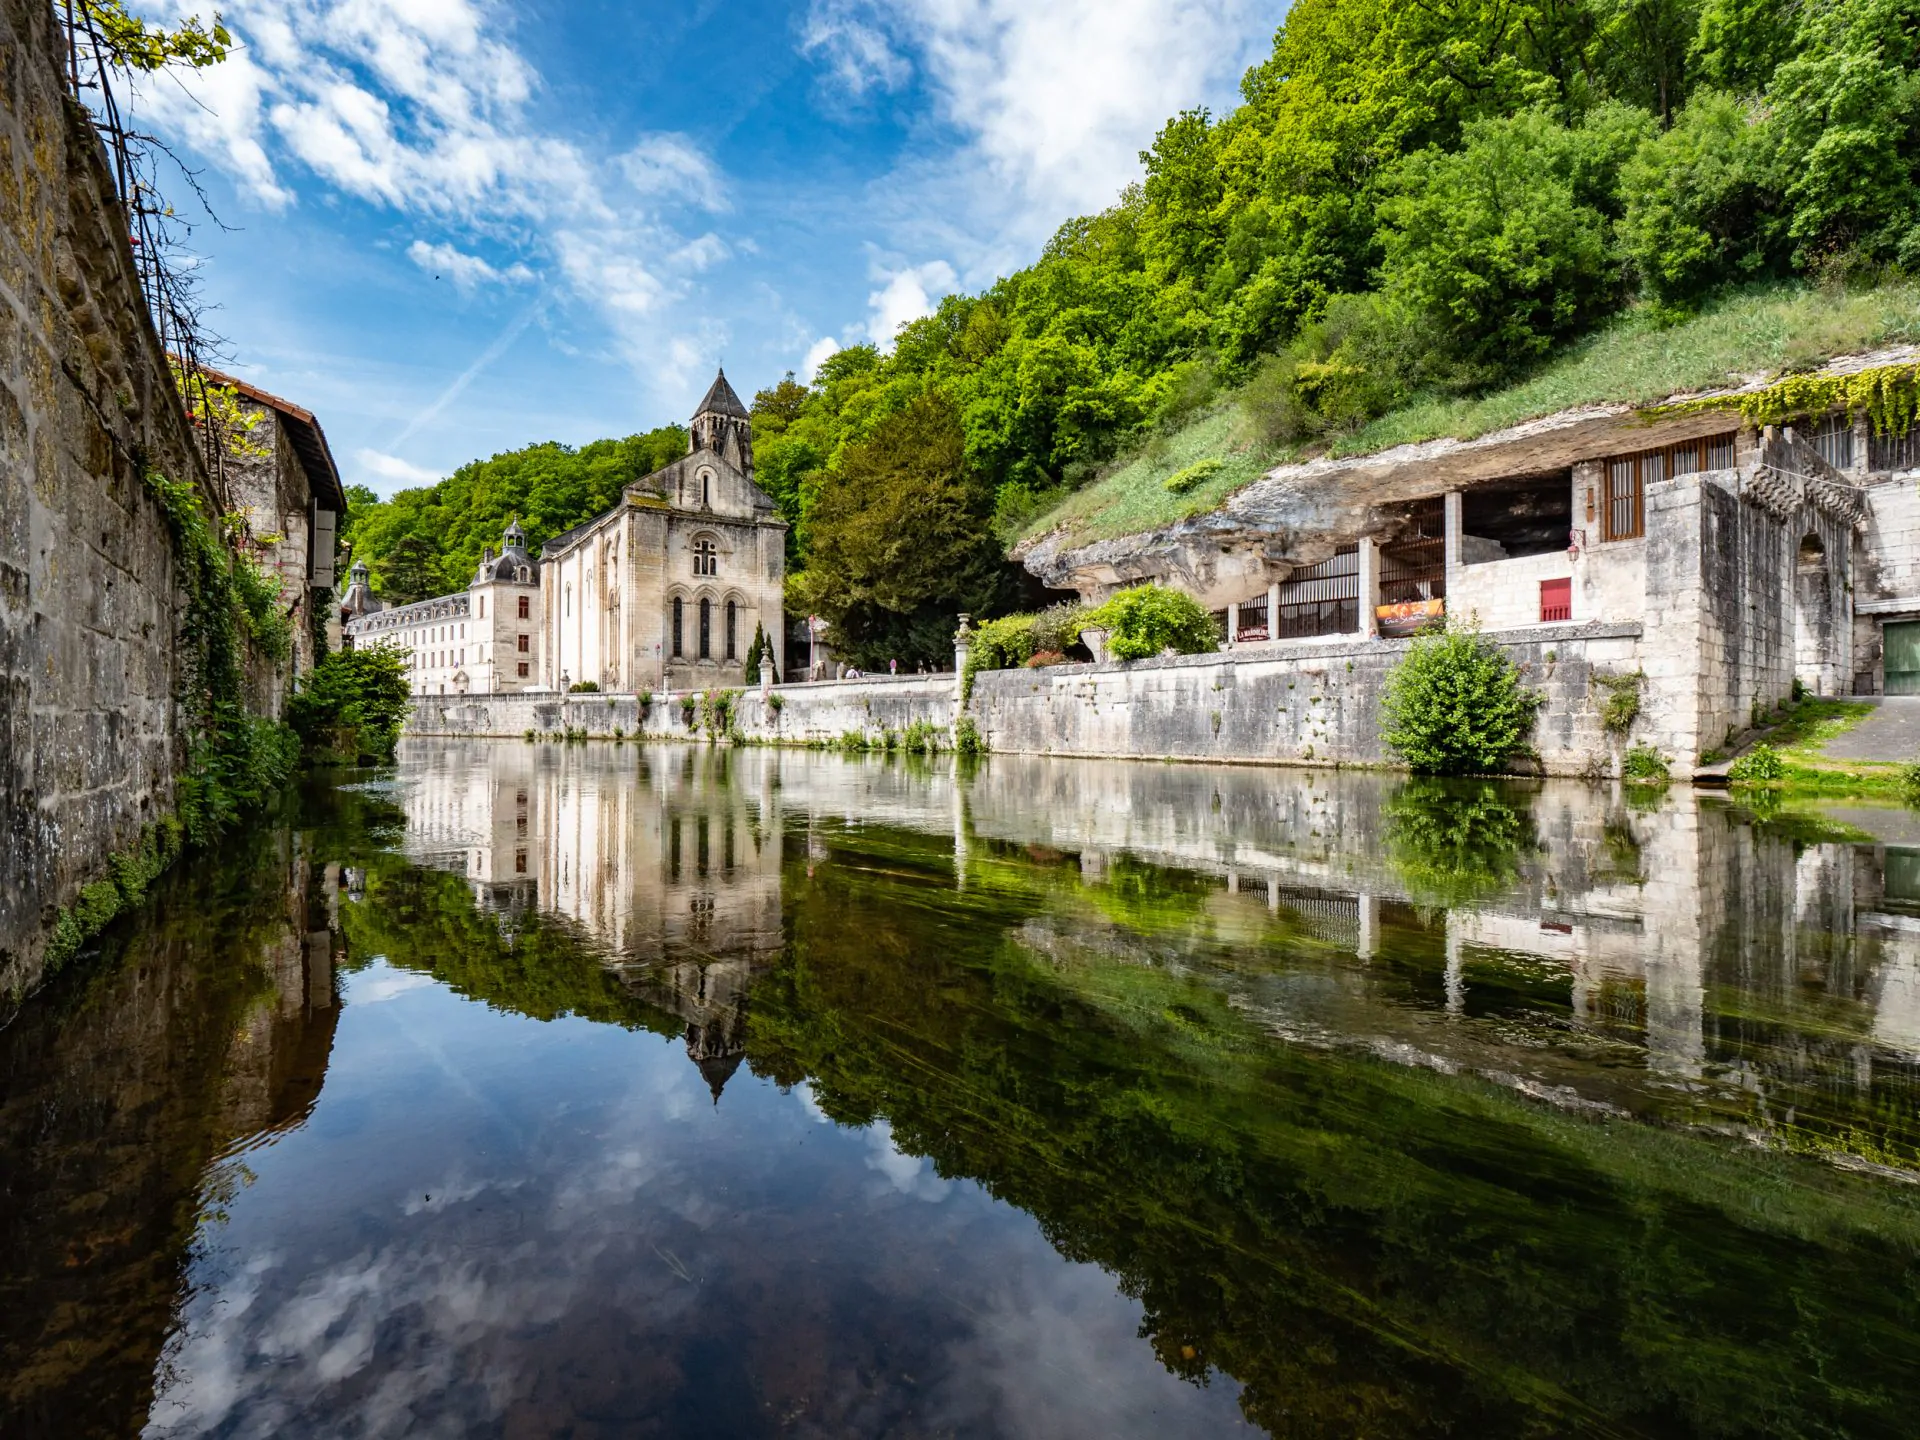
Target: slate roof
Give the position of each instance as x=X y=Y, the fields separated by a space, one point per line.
x=303 y=431
x=721 y=400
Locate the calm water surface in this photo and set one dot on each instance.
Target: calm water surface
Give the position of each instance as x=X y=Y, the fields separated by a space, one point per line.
x=605 y=1091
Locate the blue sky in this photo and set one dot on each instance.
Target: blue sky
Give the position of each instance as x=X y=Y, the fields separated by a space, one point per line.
x=457 y=227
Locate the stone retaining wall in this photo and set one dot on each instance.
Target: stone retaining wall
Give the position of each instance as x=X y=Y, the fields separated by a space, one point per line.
x=88 y=744
x=1305 y=703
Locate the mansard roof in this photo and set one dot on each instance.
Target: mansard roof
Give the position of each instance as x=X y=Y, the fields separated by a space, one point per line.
x=721 y=400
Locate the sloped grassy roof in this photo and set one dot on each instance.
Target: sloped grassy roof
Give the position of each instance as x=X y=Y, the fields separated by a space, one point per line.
x=1746 y=337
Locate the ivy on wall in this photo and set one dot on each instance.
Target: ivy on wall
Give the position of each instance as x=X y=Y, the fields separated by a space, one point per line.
x=1888 y=395
x=235 y=759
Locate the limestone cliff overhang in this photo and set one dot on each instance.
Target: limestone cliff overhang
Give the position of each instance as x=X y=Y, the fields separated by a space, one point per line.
x=309 y=441
x=1299 y=514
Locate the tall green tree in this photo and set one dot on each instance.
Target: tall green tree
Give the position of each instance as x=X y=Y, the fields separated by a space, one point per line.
x=901 y=543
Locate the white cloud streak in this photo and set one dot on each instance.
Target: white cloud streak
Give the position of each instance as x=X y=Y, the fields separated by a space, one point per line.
x=421 y=107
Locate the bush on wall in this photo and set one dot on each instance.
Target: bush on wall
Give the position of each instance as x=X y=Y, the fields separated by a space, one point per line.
x=350 y=707
x=1149 y=619
x=1455 y=706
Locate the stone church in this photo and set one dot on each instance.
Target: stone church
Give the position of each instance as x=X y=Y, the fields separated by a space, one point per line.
x=664 y=591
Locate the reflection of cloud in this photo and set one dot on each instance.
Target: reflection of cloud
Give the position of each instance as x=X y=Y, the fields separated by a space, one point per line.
x=909 y=1174
x=1044 y=1328
x=384 y=984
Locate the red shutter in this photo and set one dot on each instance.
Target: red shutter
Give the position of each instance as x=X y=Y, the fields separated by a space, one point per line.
x=1556 y=599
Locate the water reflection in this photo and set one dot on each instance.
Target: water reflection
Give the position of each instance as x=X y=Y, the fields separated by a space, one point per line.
x=701 y=1091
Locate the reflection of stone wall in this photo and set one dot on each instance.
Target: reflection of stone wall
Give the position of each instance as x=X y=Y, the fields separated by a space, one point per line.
x=211 y=1028
x=87 y=593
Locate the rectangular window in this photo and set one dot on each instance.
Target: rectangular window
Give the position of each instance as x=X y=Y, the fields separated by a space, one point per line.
x=1623 y=502
x=523 y=669
x=1556 y=600
x=730 y=629
x=706 y=629
x=519 y=862
x=525 y=613
x=526 y=644
x=679 y=613
x=483 y=608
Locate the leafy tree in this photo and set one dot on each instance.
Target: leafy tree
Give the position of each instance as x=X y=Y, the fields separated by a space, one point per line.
x=900 y=543
x=1493 y=250
x=1455 y=706
x=1148 y=619
x=350 y=707
x=1701 y=206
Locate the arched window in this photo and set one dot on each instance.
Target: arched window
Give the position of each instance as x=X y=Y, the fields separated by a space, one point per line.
x=679 y=618
x=706 y=629
x=706 y=558
x=706 y=491
x=569 y=609
x=731 y=630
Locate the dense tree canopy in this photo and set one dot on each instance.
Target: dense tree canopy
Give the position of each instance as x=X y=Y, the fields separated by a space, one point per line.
x=1410 y=199
x=427 y=541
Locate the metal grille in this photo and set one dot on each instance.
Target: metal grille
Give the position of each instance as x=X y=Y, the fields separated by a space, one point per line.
x=1326 y=914
x=1897 y=451
x=1832 y=440
x=1324 y=599
x=1253 y=619
x=1220 y=626
x=1623 y=515
x=1416 y=568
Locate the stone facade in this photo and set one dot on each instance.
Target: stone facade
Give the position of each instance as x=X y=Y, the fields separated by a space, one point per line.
x=665 y=590
x=485 y=640
x=280 y=478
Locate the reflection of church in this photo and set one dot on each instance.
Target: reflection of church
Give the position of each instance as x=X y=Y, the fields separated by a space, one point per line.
x=669 y=864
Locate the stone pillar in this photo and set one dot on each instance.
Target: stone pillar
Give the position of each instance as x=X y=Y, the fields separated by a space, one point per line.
x=1273 y=611
x=766 y=672
x=962 y=647
x=1369 y=926
x=1456 y=980
x=1233 y=623
x=1455 y=508
x=1369 y=587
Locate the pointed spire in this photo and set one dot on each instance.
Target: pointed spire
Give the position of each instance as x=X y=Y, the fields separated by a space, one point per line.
x=721 y=400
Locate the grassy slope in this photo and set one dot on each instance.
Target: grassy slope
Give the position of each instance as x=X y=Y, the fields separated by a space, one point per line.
x=1767 y=330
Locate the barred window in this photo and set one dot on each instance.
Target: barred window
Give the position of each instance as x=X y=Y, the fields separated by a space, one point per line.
x=1623 y=508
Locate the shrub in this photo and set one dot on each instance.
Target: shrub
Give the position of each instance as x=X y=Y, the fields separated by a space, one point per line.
x=921 y=737
x=1455 y=706
x=1194 y=475
x=350 y=706
x=1456 y=843
x=1910 y=782
x=1041 y=658
x=689 y=708
x=1058 y=626
x=778 y=702
x=967 y=739
x=584 y=687
x=1622 y=705
x=1757 y=767
x=1150 y=618
x=1644 y=765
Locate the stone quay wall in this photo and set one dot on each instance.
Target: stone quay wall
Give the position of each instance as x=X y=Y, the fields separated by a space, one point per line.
x=1305 y=703
x=88 y=746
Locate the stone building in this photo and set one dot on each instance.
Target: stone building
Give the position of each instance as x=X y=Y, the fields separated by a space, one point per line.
x=279 y=475
x=665 y=590
x=1714 y=564
x=484 y=640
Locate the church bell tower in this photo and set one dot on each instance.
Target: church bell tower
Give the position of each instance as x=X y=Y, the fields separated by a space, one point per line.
x=722 y=425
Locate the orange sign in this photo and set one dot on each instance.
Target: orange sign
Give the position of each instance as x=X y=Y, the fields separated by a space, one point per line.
x=1410 y=618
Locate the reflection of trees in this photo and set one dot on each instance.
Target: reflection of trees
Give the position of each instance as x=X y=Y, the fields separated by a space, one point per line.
x=207 y=1018
x=1455 y=842
x=1369 y=1249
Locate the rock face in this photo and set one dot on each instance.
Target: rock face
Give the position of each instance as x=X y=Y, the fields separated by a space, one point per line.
x=88 y=745
x=1297 y=515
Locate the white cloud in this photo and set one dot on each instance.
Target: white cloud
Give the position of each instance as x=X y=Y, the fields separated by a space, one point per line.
x=856 y=50
x=466 y=271
x=398 y=472
x=421 y=106
x=1055 y=100
x=672 y=167
x=817 y=355
x=906 y=294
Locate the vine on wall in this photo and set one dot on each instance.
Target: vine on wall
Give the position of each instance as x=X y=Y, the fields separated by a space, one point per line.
x=235 y=759
x=1888 y=395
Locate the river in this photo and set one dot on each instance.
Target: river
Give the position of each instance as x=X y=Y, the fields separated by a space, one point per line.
x=604 y=1090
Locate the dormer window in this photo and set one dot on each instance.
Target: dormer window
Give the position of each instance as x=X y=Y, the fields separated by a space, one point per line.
x=706 y=558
